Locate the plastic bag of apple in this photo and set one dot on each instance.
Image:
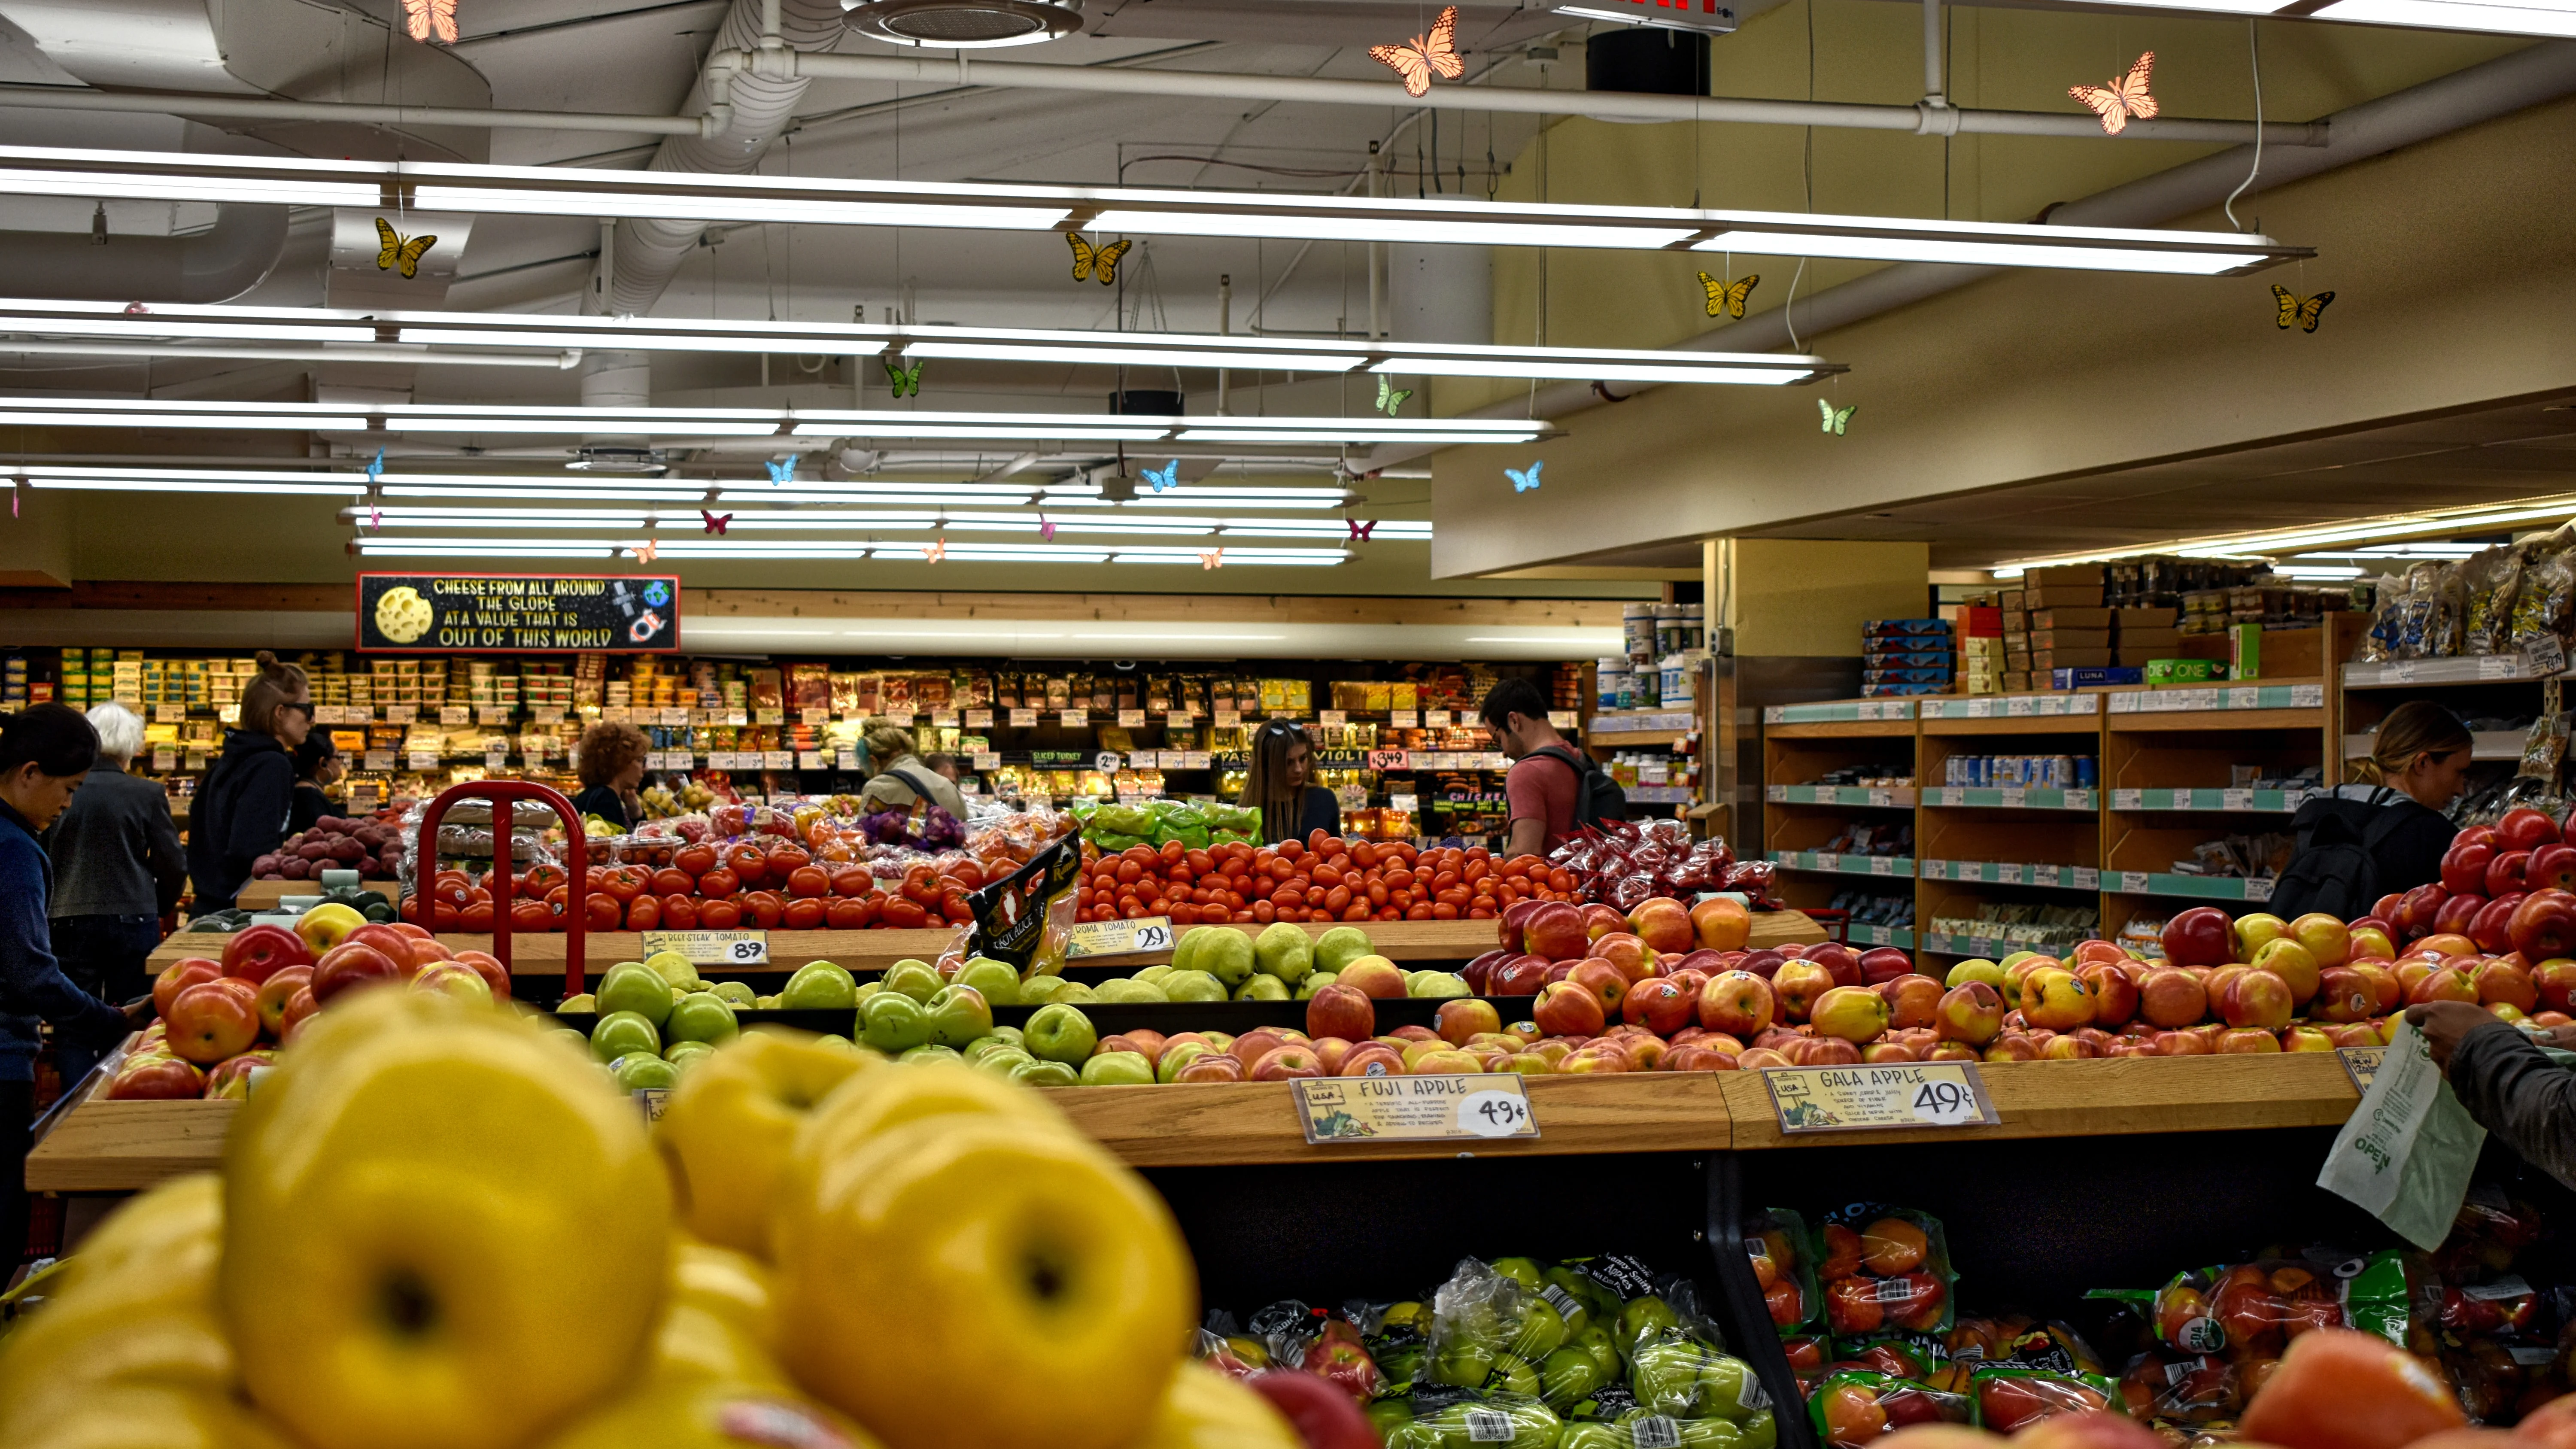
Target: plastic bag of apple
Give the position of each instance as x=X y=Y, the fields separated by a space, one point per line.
x=809 y=1248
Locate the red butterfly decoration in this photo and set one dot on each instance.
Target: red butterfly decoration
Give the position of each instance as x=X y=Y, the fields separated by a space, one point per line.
x=1360 y=530
x=716 y=522
x=1426 y=55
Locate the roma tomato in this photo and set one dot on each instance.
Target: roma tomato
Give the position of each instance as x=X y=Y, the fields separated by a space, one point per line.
x=720 y=915
x=808 y=881
x=805 y=914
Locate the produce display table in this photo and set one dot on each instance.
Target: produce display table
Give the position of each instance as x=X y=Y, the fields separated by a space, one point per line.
x=102 y=1146
x=261 y=895
x=543 y=955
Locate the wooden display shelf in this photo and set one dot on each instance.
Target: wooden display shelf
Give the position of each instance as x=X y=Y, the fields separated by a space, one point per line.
x=100 y=1146
x=2218 y=720
x=543 y=954
x=261 y=895
x=1843 y=729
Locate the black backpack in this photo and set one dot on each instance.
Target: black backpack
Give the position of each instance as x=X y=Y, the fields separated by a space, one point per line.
x=2335 y=866
x=1597 y=797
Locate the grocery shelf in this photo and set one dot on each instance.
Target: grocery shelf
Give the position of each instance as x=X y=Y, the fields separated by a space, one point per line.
x=2483 y=745
x=1896 y=866
x=1660 y=794
x=1940 y=944
x=1991 y=872
x=2199 y=887
x=1861 y=934
x=1646 y=722
x=2010 y=797
x=261 y=895
x=2258 y=802
x=2472 y=669
x=1842 y=730
x=1838 y=711
x=102 y=1146
x=1870 y=797
x=2195 y=699
x=2084 y=707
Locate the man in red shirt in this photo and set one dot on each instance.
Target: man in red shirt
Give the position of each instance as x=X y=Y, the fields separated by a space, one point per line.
x=1540 y=790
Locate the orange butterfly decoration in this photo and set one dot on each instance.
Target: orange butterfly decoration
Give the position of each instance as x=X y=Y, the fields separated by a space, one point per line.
x=424 y=17
x=1427 y=55
x=645 y=551
x=934 y=551
x=2124 y=99
x=1212 y=558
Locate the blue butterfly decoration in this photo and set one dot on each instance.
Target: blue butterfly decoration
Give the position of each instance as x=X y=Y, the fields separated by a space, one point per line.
x=781 y=472
x=1525 y=480
x=376 y=468
x=1168 y=477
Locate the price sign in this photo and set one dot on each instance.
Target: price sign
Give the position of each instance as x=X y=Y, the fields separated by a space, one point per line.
x=2361 y=1064
x=1024 y=718
x=778 y=759
x=1228 y=719
x=810 y=760
x=1414 y=1109
x=944 y=718
x=496 y=763
x=769 y=716
x=1119 y=938
x=1386 y=760
x=454 y=714
x=814 y=718
x=380 y=759
x=1331 y=717
x=2544 y=655
x=1437 y=719
x=1406 y=719
x=423 y=760
x=1133 y=719
x=988 y=760
x=165 y=758
x=1074 y=719
x=1874 y=1098
x=401 y=713
x=712 y=948
x=979 y=719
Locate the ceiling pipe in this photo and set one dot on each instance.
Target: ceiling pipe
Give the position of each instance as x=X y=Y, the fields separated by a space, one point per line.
x=215 y=265
x=409 y=356
x=731 y=68
x=2483 y=92
x=747 y=114
x=243 y=108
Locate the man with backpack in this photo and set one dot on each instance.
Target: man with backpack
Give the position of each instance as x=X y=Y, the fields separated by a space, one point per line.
x=1553 y=788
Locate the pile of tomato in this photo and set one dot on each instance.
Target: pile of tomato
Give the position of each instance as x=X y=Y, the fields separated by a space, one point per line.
x=768 y=884
x=1323 y=878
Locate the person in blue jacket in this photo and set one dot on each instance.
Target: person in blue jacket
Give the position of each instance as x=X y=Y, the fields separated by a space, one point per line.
x=44 y=753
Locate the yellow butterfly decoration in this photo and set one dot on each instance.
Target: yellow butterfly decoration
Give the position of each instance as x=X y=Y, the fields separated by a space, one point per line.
x=1728 y=296
x=1087 y=257
x=406 y=250
x=2296 y=310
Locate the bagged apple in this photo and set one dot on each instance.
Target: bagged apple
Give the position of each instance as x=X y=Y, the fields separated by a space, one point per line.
x=1656 y=1431
x=1883 y=1267
x=2182 y=1389
x=1776 y=1243
x=1921 y=1357
x=1237 y=1355
x=1487 y=1328
x=2253 y=1310
x=1678 y=1375
x=2005 y=1397
x=1852 y=1407
x=1461 y=1418
x=1397 y=1338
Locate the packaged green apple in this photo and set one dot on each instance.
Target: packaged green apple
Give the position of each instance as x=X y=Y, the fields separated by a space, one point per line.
x=1023 y=919
x=1883 y=1268
x=1675 y=1373
x=1461 y=1418
x=1397 y=1337
x=1852 y=1407
x=1776 y=1242
x=2008 y=1397
x=1492 y=1328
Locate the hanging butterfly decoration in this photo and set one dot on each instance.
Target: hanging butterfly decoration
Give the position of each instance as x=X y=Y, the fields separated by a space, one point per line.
x=1213 y=558
x=644 y=552
x=1088 y=258
x=401 y=250
x=717 y=523
x=781 y=472
x=375 y=519
x=2304 y=312
x=1835 y=419
x=137 y=309
x=934 y=551
x=2125 y=99
x=424 y=18
x=904 y=380
x=1525 y=480
x=1166 y=477
x=1046 y=528
x=1361 y=531
x=1425 y=56
x=1390 y=398
x=1728 y=297
x=376 y=468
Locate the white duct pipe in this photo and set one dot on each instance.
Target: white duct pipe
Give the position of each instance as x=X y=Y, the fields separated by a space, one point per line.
x=749 y=113
x=215 y=265
x=2499 y=87
x=740 y=66
x=617 y=378
x=69 y=98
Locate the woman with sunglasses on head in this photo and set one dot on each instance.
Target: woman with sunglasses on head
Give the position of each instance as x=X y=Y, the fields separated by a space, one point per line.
x=1277 y=785
x=242 y=810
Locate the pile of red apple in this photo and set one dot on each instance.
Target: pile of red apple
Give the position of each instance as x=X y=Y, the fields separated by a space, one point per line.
x=2507 y=887
x=221 y=1018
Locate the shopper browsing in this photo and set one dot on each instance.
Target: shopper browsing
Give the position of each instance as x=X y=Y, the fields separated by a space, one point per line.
x=1278 y=785
x=902 y=776
x=1552 y=787
x=318 y=767
x=118 y=869
x=44 y=754
x=2385 y=832
x=2505 y=1081
x=612 y=772
x=243 y=809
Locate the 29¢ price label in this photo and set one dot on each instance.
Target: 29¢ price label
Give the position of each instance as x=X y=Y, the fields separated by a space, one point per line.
x=1119 y=938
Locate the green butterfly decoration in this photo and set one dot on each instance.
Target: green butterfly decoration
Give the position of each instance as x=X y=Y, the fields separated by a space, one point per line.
x=902 y=379
x=1835 y=419
x=1390 y=398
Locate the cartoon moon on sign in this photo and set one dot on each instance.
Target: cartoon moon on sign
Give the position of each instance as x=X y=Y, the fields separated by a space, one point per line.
x=402 y=615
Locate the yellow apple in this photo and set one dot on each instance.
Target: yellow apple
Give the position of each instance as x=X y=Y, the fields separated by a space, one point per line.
x=1206 y=1409
x=705 y=1414
x=990 y=1240
x=325 y=925
x=874 y=1103
x=726 y=1129
x=441 y=1230
x=720 y=1324
x=154 y=1416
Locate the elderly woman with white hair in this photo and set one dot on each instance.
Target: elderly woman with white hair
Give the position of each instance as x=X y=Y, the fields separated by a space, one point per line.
x=118 y=867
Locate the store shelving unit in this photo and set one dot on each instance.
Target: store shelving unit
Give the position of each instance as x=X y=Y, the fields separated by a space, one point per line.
x=2169 y=761
x=1800 y=817
x=2002 y=845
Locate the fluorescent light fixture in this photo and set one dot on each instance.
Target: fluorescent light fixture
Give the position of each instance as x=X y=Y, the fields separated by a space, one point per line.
x=820 y=520
x=2468 y=15
x=2432 y=523
x=592 y=194
x=1708 y=17
x=790 y=426
x=2321 y=573
x=740 y=550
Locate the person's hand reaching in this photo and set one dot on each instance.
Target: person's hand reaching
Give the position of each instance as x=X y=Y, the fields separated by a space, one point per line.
x=2444 y=1023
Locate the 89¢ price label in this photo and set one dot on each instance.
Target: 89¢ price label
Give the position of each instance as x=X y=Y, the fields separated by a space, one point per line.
x=712 y=948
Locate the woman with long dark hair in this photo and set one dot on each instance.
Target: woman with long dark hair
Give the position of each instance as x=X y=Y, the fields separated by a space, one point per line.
x=1277 y=785
x=243 y=809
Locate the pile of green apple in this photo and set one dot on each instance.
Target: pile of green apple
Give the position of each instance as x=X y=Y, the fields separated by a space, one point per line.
x=1283 y=963
x=658 y=1015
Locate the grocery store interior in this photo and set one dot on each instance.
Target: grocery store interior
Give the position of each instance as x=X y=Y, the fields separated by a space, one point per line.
x=1238 y=724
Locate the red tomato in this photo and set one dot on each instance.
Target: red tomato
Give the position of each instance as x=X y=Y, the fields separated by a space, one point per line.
x=672 y=881
x=954 y=906
x=644 y=913
x=679 y=913
x=848 y=913
x=624 y=883
x=720 y=915
x=750 y=863
x=531 y=916
x=718 y=883
x=784 y=859
x=807 y=880
x=541 y=879
x=805 y=914
x=852 y=880
x=695 y=859
x=760 y=908
x=476 y=916
x=601 y=912
x=904 y=914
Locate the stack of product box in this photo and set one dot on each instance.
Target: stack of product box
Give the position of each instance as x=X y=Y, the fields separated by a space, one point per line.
x=1980 y=629
x=1905 y=656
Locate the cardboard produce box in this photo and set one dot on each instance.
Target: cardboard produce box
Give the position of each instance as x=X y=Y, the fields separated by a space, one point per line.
x=2043 y=639
x=2073 y=618
x=2043 y=661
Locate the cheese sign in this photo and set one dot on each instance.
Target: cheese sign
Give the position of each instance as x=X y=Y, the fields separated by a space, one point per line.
x=518 y=614
x=1878 y=1097
x=1391 y=1108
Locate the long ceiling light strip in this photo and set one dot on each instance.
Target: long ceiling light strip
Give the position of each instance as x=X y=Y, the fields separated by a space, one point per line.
x=2300 y=540
x=822 y=520
x=590 y=194
x=2493 y=19
x=728 y=549
x=199 y=326
x=432 y=486
x=786 y=424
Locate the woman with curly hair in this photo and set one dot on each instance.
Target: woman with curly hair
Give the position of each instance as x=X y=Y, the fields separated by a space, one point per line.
x=612 y=766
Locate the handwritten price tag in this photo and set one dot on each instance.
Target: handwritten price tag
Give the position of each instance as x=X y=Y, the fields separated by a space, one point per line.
x=1119 y=938
x=1386 y=759
x=712 y=948
x=2361 y=1064
x=1876 y=1098
x=1414 y=1109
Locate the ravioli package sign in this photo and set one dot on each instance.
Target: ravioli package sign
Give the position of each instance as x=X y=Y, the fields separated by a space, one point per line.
x=518 y=613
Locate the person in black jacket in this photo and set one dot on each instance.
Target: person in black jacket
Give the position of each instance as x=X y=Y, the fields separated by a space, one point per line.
x=118 y=870
x=2418 y=762
x=242 y=809
x=612 y=770
x=2508 y=1086
x=1277 y=785
x=44 y=753
x=318 y=767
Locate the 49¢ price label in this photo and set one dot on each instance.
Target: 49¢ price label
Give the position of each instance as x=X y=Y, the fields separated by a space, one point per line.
x=1414 y=1109
x=1877 y=1098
